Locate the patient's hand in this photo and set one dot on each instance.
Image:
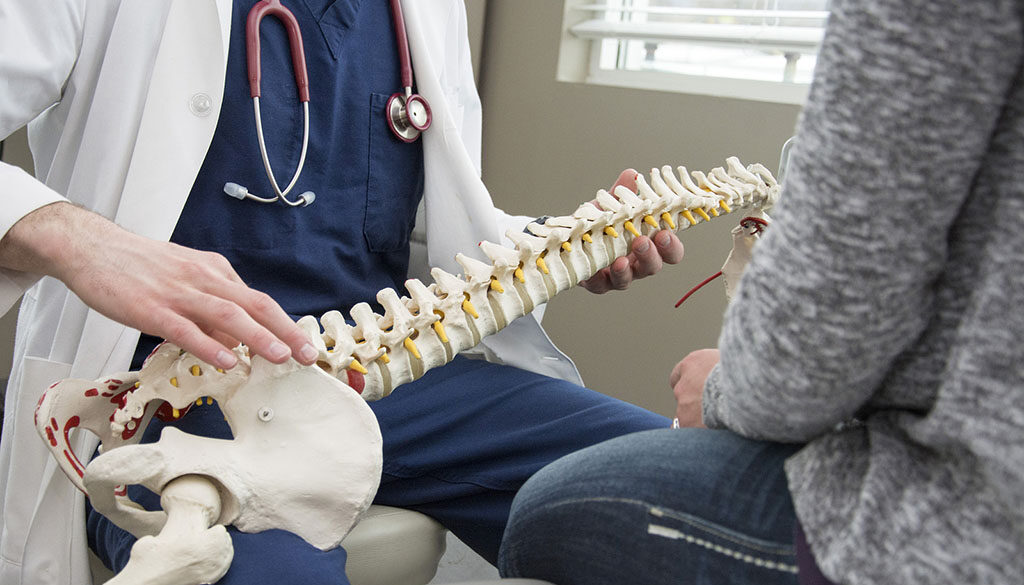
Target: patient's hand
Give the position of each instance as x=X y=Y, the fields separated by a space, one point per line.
x=643 y=259
x=687 y=381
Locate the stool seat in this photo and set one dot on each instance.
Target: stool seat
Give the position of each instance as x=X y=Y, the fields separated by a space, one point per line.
x=389 y=546
x=394 y=546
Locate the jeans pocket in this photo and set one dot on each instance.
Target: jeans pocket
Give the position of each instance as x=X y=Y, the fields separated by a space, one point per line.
x=394 y=185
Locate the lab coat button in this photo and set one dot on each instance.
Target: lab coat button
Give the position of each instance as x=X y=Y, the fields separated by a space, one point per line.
x=201 y=104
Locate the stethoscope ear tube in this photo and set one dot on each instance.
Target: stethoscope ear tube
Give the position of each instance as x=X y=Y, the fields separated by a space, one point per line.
x=252 y=45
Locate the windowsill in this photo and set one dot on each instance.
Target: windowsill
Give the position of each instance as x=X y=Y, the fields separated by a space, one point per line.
x=745 y=89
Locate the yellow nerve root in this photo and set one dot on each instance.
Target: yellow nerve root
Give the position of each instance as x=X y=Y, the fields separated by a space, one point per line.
x=631 y=229
x=355 y=365
x=469 y=308
x=439 y=329
x=542 y=265
x=409 y=345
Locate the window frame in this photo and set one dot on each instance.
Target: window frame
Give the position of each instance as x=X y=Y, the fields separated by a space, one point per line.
x=580 y=62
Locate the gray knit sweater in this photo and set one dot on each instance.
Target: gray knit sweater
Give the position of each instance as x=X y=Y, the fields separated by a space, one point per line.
x=881 y=318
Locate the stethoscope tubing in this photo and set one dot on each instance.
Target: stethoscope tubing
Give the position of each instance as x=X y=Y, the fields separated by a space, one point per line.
x=252 y=45
x=408 y=114
x=402 y=41
x=282 y=194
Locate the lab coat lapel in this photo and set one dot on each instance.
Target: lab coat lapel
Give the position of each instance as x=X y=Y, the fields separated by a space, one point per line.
x=459 y=211
x=179 y=117
x=177 y=125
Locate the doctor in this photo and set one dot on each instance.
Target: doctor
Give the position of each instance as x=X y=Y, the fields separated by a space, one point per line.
x=139 y=112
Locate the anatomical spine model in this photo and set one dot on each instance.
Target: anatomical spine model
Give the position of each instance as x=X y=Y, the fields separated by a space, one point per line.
x=306 y=453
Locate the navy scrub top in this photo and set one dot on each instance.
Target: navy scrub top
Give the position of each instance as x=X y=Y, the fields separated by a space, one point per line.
x=354 y=239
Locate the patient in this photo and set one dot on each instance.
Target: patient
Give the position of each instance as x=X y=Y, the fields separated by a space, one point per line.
x=869 y=392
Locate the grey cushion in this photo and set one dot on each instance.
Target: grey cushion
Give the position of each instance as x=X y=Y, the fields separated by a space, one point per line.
x=392 y=546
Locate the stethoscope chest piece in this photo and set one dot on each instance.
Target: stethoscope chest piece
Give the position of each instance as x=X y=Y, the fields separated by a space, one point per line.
x=408 y=115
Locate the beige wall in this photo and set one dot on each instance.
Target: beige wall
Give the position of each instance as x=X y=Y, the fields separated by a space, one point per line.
x=550 y=145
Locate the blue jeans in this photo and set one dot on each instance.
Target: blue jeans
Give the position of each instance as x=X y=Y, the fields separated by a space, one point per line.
x=657 y=507
x=458 y=444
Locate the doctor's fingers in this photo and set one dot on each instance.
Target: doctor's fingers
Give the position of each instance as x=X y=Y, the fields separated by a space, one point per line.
x=236 y=312
x=227 y=306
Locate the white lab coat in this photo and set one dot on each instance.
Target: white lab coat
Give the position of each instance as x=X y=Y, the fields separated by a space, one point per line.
x=114 y=91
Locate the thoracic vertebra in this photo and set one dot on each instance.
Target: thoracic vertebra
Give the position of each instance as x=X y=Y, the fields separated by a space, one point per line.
x=435 y=322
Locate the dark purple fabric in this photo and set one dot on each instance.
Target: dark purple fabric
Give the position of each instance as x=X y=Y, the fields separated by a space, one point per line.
x=810 y=574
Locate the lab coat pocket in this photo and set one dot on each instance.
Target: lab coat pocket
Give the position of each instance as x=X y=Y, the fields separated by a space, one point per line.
x=28 y=455
x=394 y=185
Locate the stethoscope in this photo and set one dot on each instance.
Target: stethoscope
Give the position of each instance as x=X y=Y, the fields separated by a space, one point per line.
x=407 y=113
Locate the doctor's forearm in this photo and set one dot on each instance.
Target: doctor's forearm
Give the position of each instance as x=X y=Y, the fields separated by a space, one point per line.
x=39 y=240
x=190 y=297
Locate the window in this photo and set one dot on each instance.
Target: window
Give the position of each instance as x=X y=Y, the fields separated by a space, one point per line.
x=754 y=49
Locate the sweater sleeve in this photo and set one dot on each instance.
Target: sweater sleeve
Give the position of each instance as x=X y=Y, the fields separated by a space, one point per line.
x=905 y=98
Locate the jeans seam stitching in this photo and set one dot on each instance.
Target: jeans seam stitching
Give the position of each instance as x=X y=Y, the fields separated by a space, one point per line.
x=658 y=511
x=672 y=533
x=712 y=528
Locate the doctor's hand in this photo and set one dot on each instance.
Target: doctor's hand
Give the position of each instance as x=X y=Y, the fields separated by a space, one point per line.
x=193 y=299
x=687 y=381
x=646 y=255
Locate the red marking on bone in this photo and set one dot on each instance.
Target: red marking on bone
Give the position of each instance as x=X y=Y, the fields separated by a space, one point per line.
x=92 y=392
x=158 y=346
x=119 y=399
x=120 y=491
x=50 y=437
x=53 y=423
x=74 y=463
x=72 y=423
x=128 y=433
x=356 y=380
x=53 y=385
x=39 y=405
x=166 y=412
x=113 y=387
x=753 y=223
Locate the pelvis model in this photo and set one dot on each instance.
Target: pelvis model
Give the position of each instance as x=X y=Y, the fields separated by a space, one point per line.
x=306 y=453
